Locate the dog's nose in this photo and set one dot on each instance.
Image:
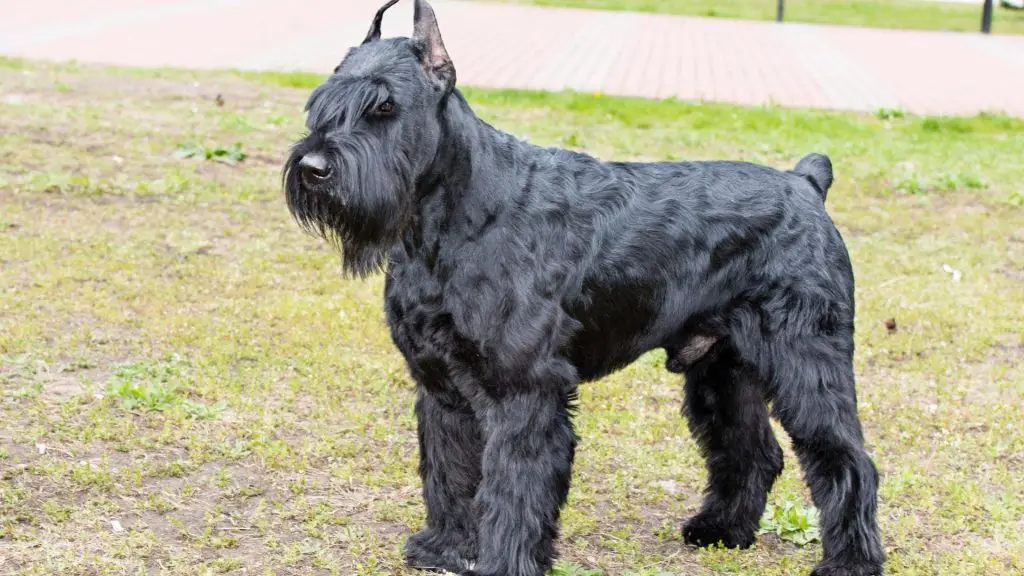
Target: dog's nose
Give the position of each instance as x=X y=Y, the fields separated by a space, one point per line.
x=314 y=169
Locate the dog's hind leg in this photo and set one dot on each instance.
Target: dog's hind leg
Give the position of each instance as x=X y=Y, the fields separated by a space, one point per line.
x=725 y=408
x=450 y=451
x=814 y=398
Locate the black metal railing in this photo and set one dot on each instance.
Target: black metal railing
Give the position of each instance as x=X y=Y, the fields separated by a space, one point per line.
x=986 y=17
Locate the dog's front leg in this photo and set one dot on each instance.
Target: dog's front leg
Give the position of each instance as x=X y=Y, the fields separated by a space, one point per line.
x=450 y=451
x=527 y=464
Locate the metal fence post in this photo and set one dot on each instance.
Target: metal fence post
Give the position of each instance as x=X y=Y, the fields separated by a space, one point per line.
x=782 y=8
x=986 y=17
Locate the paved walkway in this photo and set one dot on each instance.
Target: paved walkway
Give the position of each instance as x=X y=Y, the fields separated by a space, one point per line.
x=519 y=46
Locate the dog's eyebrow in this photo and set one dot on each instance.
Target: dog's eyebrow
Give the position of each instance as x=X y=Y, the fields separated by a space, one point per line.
x=371 y=94
x=378 y=92
x=341 y=102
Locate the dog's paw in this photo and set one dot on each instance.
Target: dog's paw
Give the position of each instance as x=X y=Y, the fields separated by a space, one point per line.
x=858 y=569
x=426 y=550
x=703 y=531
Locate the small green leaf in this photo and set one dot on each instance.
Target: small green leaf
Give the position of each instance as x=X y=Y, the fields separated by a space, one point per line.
x=230 y=155
x=190 y=151
x=793 y=522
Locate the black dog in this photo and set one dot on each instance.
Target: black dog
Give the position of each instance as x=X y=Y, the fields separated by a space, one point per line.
x=514 y=273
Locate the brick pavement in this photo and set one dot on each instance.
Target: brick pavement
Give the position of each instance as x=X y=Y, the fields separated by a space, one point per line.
x=516 y=46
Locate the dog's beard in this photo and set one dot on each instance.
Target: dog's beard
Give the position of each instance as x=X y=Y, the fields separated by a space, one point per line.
x=361 y=211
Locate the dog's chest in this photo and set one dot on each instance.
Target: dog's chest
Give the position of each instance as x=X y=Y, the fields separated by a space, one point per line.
x=421 y=326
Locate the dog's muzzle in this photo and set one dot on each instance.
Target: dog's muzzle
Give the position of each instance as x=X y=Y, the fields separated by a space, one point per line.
x=314 y=170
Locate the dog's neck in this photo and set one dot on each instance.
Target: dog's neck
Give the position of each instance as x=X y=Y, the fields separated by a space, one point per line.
x=475 y=178
x=478 y=168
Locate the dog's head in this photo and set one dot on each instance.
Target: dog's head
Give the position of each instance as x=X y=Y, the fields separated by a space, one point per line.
x=374 y=130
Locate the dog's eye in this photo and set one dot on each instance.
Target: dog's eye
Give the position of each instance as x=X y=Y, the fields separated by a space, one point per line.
x=386 y=109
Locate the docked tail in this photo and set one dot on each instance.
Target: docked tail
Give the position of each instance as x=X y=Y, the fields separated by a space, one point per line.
x=816 y=169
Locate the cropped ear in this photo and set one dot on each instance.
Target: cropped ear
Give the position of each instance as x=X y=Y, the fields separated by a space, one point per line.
x=374 y=34
x=434 y=58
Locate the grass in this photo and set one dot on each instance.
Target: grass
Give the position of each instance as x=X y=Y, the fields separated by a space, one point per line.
x=187 y=385
x=907 y=14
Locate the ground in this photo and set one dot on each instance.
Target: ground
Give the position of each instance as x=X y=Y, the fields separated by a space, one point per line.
x=908 y=14
x=188 y=385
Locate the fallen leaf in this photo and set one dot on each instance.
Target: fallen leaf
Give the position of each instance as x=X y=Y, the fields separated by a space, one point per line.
x=890 y=326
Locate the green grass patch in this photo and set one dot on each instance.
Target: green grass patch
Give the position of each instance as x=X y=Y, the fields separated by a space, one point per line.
x=300 y=80
x=230 y=155
x=146 y=386
x=791 y=521
x=176 y=356
x=904 y=14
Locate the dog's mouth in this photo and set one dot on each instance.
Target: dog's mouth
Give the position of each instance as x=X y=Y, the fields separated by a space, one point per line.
x=317 y=179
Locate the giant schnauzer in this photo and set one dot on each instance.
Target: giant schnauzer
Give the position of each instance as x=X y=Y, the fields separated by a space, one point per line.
x=515 y=272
